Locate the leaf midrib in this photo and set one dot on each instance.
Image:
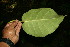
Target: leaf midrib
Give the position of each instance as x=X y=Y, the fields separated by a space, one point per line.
x=38 y=20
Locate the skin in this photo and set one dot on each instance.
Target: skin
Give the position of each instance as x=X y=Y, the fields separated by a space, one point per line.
x=11 y=31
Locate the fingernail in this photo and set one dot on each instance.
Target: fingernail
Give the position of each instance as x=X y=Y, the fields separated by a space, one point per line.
x=16 y=20
x=20 y=23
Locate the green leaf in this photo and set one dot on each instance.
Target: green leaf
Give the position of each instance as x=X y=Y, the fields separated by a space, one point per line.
x=41 y=22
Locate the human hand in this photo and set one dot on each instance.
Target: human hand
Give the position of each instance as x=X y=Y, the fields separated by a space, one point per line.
x=11 y=31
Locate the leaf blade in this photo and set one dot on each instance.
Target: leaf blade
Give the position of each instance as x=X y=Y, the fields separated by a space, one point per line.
x=41 y=23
